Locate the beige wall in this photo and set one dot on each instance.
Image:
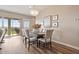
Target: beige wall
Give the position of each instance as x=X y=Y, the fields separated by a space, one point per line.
x=68 y=29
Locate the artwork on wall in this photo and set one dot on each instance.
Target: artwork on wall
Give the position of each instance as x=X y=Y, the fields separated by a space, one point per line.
x=55 y=17
x=55 y=24
x=55 y=21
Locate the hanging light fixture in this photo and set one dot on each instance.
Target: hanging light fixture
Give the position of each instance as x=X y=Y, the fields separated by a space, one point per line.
x=33 y=11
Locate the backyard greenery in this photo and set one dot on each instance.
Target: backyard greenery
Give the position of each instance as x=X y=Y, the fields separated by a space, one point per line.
x=0 y=32
x=13 y=31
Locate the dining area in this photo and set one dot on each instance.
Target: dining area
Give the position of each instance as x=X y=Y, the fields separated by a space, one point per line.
x=40 y=37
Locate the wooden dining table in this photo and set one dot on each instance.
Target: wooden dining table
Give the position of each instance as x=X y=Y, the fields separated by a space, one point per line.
x=40 y=35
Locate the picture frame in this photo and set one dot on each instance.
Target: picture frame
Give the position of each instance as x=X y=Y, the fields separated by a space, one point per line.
x=54 y=17
x=55 y=24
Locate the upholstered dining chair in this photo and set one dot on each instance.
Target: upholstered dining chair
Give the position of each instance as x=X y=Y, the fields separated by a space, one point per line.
x=29 y=38
x=2 y=34
x=47 y=38
x=23 y=35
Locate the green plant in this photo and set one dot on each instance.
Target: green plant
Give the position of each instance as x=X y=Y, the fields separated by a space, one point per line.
x=0 y=32
x=17 y=30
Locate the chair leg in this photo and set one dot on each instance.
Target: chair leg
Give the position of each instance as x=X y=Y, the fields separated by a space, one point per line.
x=25 y=40
x=0 y=48
x=38 y=43
x=45 y=44
x=28 y=44
x=50 y=44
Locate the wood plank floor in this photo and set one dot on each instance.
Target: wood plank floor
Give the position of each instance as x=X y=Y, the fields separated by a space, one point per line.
x=15 y=45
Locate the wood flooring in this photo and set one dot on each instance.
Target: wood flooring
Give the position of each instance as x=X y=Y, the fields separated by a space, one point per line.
x=15 y=45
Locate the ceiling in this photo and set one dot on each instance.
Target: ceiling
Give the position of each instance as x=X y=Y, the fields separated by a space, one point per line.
x=23 y=9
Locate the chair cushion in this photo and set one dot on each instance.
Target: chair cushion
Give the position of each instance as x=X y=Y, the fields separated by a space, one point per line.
x=43 y=40
x=33 y=39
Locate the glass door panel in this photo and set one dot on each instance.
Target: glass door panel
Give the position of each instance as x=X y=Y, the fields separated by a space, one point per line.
x=0 y=23
x=26 y=24
x=15 y=27
x=12 y=25
x=4 y=24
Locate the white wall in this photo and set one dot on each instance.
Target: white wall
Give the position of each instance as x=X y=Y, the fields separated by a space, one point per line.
x=68 y=29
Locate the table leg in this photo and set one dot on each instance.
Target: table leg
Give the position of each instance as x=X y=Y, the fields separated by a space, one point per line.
x=37 y=42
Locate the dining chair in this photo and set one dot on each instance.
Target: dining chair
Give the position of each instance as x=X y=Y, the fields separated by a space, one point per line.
x=23 y=35
x=47 y=38
x=2 y=35
x=29 y=38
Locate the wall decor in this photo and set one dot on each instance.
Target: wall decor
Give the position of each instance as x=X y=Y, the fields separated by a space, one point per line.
x=54 y=17
x=54 y=24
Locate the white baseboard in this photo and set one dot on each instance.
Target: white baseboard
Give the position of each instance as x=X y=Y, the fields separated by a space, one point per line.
x=66 y=44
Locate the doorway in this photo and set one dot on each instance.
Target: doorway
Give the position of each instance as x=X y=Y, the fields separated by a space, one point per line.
x=12 y=25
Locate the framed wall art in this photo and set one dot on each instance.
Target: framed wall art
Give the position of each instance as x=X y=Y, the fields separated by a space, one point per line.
x=54 y=17
x=55 y=24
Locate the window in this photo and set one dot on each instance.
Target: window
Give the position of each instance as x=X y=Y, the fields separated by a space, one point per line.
x=26 y=24
x=15 y=26
x=40 y=21
x=15 y=23
x=44 y=22
x=12 y=25
x=3 y=22
x=0 y=22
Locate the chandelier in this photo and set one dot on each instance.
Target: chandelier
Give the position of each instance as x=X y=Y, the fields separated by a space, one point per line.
x=33 y=11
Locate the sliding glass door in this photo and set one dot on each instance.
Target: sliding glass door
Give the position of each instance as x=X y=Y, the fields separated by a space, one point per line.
x=12 y=25
x=15 y=26
x=4 y=24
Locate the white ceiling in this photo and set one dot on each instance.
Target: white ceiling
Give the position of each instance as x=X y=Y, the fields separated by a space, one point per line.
x=22 y=9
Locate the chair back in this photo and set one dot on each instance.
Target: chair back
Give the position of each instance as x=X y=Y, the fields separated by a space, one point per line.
x=3 y=34
x=49 y=33
x=25 y=33
x=29 y=35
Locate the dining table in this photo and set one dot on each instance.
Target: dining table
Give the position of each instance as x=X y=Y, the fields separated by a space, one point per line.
x=40 y=35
